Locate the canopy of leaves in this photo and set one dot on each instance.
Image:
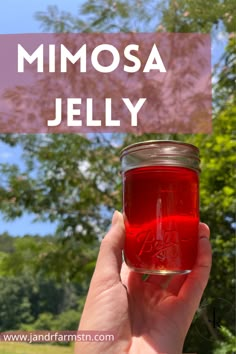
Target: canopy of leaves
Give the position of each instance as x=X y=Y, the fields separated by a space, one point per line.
x=75 y=179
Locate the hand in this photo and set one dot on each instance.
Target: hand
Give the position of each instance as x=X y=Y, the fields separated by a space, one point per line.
x=151 y=316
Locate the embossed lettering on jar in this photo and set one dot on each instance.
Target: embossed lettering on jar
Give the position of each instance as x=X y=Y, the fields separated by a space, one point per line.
x=161 y=206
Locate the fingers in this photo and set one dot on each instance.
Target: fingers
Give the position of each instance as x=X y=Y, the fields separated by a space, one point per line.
x=192 y=289
x=109 y=260
x=173 y=283
x=124 y=273
x=178 y=280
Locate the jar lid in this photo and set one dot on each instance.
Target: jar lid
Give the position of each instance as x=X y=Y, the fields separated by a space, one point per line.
x=160 y=153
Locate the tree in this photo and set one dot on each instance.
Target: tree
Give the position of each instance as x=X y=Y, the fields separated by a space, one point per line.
x=14 y=303
x=28 y=295
x=75 y=179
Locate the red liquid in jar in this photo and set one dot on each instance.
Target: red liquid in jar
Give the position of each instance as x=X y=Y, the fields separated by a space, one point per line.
x=161 y=208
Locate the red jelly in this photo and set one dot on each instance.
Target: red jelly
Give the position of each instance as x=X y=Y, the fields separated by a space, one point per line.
x=161 y=207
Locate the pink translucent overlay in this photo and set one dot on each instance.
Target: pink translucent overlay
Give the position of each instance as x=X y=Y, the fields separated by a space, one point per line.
x=177 y=101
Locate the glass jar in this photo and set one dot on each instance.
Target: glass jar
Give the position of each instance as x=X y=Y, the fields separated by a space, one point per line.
x=161 y=206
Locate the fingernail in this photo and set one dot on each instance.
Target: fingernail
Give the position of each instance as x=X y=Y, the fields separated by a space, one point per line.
x=115 y=217
x=202 y=237
x=204 y=231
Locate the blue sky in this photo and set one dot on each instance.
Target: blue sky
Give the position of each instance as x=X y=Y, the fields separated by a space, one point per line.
x=18 y=16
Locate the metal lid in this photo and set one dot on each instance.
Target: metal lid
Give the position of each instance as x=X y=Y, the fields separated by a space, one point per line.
x=160 y=153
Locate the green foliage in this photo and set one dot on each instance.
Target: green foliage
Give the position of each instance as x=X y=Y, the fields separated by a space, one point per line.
x=228 y=346
x=46 y=321
x=29 y=299
x=142 y=16
x=6 y=243
x=25 y=300
x=60 y=21
x=69 y=187
x=189 y=16
x=14 y=303
x=65 y=321
x=103 y=16
x=75 y=181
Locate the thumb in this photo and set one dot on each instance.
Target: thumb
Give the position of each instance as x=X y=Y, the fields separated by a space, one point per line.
x=192 y=289
x=108 y=266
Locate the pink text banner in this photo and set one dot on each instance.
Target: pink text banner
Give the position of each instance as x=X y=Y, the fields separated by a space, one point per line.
x=123 y=82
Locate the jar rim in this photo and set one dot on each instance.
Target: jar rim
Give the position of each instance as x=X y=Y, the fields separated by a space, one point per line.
x=147 y=144
x=160 y=153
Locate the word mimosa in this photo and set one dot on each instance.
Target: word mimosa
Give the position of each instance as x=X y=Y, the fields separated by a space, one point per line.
x=133 y=64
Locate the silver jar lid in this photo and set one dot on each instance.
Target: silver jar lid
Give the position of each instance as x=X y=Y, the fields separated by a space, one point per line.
x=160 y=153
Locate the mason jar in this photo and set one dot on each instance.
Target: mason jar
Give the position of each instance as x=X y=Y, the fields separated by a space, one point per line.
x=161 y=206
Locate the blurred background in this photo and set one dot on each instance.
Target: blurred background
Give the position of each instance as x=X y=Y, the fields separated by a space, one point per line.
x=58 y=192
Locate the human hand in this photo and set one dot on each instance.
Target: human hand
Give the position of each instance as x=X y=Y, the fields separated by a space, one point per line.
x=151 y=316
